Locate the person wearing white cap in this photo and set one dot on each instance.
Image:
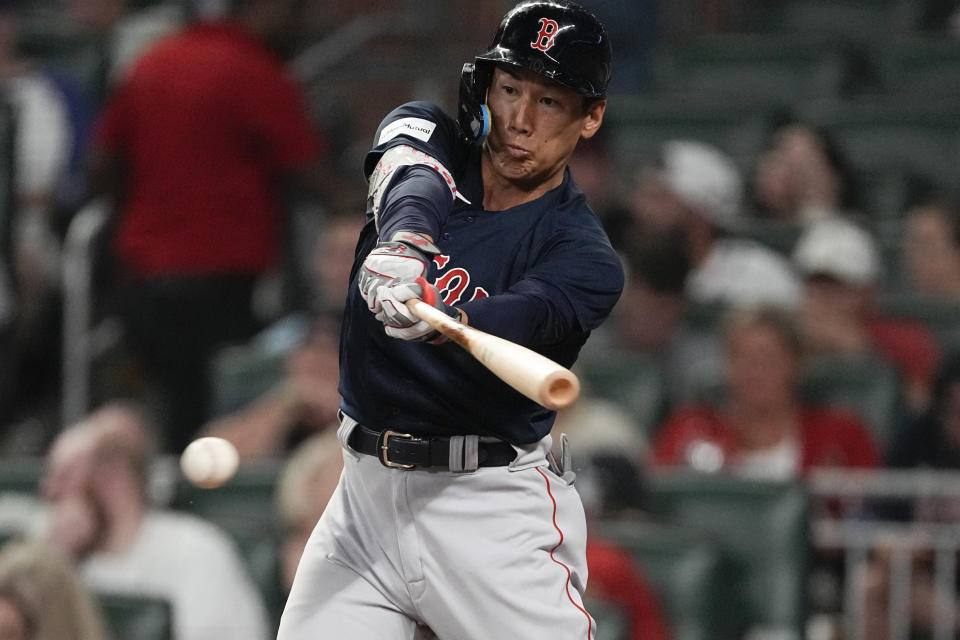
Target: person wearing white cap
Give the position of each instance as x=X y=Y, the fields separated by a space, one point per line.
x=700 y=188
x=840 y=265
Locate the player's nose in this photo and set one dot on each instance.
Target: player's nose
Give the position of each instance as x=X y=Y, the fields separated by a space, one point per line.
x=521 y=116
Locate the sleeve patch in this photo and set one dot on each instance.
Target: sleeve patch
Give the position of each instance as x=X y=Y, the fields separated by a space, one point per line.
x=413 y=127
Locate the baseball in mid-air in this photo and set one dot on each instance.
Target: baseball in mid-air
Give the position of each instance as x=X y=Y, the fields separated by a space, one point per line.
x=208 y=462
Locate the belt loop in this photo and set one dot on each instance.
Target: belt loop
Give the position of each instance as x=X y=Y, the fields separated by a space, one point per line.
x=347 y=425
x=456 y=453
x=471 y=453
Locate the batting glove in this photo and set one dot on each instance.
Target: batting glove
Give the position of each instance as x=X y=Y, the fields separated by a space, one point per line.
x=398 y=321
x=405 y=258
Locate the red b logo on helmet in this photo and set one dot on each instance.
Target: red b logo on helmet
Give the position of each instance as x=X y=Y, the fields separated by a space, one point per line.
x=548 y=33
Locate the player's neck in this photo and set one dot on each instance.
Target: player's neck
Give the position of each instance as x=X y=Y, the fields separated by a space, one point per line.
x=500 y=193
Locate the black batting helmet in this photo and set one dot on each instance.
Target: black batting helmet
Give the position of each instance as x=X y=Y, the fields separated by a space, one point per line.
x=557 y=39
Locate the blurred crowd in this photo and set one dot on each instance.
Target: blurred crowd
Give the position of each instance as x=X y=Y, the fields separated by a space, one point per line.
x=770 y=325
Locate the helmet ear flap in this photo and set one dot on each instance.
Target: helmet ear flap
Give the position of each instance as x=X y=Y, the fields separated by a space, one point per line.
x=472 y=113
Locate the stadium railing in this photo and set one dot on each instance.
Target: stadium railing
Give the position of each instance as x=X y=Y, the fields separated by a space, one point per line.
x=869 y=511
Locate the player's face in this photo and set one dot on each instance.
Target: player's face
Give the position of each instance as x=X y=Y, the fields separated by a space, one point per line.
x=536 y=126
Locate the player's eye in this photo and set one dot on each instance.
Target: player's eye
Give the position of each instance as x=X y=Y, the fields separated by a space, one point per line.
x=508 y=89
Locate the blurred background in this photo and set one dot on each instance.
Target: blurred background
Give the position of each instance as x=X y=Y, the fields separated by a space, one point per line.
x=768 y=443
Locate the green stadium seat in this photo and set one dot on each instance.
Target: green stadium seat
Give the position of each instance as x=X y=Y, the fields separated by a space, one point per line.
x=20 y=475
x=611 y=620
x=685 y=567
x=867 y=386
x=916 y=137
x=641 y=124
x=239 y=375
x=778 y=235
x=137 y=617
x=834 y=20
x=634 y=381
x=920 y=66
x=763 y=529
x=767 y=70
x=244 y=508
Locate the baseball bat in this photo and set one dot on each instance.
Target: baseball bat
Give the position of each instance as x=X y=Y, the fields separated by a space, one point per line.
x=535 y=376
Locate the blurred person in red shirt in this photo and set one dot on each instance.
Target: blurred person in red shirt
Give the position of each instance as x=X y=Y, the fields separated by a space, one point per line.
x=194 y=144
x=840 y=265
x=762 y=429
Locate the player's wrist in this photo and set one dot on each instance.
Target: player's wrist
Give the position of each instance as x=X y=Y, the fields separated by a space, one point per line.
x=419 y=242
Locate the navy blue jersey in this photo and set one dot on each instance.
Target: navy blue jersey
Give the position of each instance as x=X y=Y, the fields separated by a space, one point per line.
x=541 y=274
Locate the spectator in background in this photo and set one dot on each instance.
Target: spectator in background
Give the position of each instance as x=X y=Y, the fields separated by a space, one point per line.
x=801 y=175
x=41 y=146
x=335 y=247
x=595 y=170
x=696 y=191
x=840 y=265
x=194 y=144
x=651 y=309
x=18 y=621
x=931 y=250
x=932 y=440
x=55 y=603
x=119 y=34
x=96 y=485
x=306 y=483
x=303 y=403
x=699 y=188
x=761 y=428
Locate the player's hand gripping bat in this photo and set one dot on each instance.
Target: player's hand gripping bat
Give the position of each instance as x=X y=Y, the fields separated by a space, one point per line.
x=535 y=376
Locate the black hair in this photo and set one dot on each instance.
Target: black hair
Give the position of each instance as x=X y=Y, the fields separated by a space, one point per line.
x=660 y=259
x=835 y=155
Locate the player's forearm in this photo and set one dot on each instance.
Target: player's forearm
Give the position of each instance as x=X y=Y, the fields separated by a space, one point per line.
x=417 y=200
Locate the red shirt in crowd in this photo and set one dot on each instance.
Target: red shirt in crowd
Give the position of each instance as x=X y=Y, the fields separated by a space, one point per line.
x=204 y=124
x=909 y=346
x=614 y=578
x=827 y=438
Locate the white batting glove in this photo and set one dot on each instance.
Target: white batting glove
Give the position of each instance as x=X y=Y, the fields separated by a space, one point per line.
x=405 y=258
x=401 y=323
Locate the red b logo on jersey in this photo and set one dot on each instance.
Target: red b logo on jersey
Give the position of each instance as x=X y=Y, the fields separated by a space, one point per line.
x=548 y=33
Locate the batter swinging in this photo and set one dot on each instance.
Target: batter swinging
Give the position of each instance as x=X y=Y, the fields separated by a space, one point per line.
x=448 y=518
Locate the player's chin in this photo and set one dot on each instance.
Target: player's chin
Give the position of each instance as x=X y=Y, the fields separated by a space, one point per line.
x=518 y=172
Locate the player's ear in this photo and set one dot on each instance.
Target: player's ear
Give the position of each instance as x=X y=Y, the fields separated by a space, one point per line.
x=593 y=118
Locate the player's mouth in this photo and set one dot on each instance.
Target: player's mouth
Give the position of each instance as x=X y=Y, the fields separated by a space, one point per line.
x=518 y=153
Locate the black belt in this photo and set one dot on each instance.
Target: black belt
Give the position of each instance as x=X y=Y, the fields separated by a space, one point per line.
x=405 y=451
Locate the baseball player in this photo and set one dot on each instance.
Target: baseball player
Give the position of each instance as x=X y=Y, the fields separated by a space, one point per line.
x=451 y=515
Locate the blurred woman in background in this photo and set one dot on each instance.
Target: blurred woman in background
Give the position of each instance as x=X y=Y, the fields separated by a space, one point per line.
x=761 y=428
x=57 y=605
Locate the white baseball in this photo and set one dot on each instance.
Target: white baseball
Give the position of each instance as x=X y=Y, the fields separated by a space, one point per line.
x=209 y=462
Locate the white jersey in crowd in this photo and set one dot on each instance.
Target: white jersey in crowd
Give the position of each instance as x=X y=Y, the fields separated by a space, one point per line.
x=196 y=567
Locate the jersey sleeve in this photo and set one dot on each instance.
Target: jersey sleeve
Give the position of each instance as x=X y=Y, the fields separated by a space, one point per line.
x=421 y=125
x=409 y=170
x=570 y=289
